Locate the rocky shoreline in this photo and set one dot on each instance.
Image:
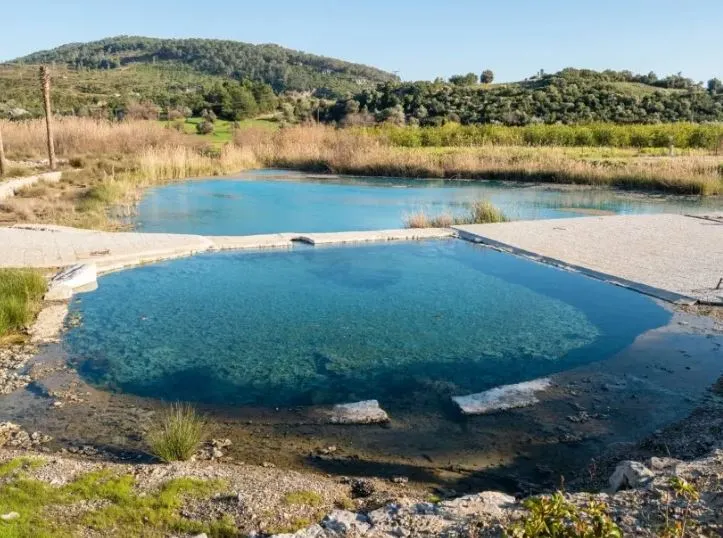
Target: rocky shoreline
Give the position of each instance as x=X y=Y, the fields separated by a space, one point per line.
x=671 y=482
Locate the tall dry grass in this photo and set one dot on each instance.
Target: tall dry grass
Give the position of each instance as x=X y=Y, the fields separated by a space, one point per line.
x=82 y=136
x=325 y=149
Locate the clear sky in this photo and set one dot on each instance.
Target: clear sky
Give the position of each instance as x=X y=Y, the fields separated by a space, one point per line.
x=421 y=39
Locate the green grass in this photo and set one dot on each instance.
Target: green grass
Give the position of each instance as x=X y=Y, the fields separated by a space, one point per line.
x=21 y=292
x=178 y=435
x=303 y=498
x=223 y=129
x=116 y=508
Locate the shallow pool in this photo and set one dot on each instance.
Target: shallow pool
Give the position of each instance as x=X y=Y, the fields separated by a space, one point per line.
x=323 y=325
x=273 y=201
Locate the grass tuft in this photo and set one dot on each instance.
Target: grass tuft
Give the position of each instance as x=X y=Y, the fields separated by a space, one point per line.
x=21 y=292
x=303 y=498
x=481 y=212
x=178 y=435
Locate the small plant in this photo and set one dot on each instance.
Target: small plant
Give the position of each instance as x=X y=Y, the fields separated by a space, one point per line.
x=178 y=435
x=556 y=517
x=688 y=493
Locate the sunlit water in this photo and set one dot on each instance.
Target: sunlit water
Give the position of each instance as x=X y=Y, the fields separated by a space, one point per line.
x=323 y=325
x=275 y=201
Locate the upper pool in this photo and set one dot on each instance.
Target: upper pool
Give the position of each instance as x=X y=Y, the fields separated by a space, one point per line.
x=273 y=201
x=330 y=324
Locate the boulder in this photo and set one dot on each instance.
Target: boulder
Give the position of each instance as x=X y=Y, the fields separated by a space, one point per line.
x=503 y=397
x=345 y=522
x=366 y=412
x=489 y=503
x=630 y=474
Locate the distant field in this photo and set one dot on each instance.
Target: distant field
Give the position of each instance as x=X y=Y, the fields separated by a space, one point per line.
x=223 y=130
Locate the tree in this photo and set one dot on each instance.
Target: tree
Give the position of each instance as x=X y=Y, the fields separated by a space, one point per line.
x=487 y=76
x=715 y=85
x=463 y=80
x=45 y=82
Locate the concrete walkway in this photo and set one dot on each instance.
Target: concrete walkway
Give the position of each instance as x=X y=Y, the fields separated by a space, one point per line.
x=9 y=187
x=674 y=257
x=47 y=246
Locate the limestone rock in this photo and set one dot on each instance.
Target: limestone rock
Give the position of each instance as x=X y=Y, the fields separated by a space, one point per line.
x=501 y=398
x=630 y=474
x=490 y=503
x=10 y=516
x=366 y=412
x=315 y=531
x=344 y=522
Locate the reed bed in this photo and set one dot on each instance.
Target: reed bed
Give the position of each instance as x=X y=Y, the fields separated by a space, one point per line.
x=680 y=135
x=480 y=212
x=325 y=149
x=82 y=136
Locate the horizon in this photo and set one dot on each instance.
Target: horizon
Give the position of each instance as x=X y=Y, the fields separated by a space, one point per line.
x=618 y=40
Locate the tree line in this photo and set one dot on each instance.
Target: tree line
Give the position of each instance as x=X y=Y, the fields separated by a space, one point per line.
x=569 y=96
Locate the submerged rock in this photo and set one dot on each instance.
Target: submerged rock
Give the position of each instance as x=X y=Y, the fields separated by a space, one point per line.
x=501 y=398
x=366 y=412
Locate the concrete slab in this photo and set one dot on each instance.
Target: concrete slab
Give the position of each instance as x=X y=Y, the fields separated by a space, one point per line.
x=241 y=242
x=404 y=234
x=677 y=258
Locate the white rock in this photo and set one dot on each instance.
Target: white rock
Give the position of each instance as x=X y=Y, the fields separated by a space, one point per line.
x=366 y=412
x=630 y=474
x=503 y=397
x=315 y=531
x=73 y=277
x=10 y=516
x=344 y=521
x=492 y=503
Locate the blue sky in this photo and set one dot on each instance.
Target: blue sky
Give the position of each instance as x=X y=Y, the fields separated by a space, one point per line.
x=421 y=39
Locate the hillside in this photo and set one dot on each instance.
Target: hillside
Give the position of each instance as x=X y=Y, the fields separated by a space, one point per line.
x=569 y=96
x=283 y=69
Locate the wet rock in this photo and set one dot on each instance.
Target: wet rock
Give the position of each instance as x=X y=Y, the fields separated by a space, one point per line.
x=12 y=435
x=346 y=522
x=361 y=488
x=501 y=398
x=400 y=480
x=630 y=474
x=365 y=412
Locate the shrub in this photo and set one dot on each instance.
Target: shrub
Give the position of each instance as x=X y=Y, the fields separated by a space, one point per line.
x=204 y=127
x=178 y=435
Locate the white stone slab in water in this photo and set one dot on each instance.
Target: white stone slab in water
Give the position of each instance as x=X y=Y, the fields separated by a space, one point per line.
x=82 y=275
x=503 y=397
x=366 y=412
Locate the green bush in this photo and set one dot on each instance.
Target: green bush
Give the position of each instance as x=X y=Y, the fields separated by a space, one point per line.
x=178 y=435
x=204 y=127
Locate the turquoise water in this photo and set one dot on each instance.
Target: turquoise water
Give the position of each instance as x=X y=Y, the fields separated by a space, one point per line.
x=323 y=325
x=276 y=201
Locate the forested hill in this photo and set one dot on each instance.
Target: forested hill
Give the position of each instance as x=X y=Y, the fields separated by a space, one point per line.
x=283 y=69
x=569 y=96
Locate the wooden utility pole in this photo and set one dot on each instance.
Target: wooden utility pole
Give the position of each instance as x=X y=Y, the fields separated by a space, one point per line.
x=3 y=166
x=45 y=81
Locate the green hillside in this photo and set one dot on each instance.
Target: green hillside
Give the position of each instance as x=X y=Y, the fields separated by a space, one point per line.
x=283 y=69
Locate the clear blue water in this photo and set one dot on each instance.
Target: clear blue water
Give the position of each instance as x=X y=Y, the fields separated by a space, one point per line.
x=276 y=201
x=324 y=325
